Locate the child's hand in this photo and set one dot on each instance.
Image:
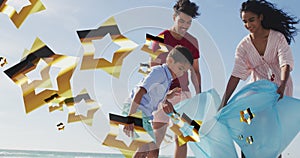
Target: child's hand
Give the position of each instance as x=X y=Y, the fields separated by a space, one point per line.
x=168 y=107
x=128 y=129
x=174 y=92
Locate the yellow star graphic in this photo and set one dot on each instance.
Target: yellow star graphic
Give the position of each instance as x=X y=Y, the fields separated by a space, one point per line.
x=111 y=67
x=18 y=72
x=247 y=116
x=3 y=61
x=88 y=118
x=19 y=18
x=179 y=124
x=147 y=47
x=142 y=129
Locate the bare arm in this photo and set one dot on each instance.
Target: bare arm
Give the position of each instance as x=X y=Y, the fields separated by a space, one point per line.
x=128 y=129
x=137 y=100
x=231 y=86
x=196 y=76
x=285 y=73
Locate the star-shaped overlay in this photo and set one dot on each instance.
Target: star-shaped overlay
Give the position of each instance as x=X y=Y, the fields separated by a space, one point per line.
x=123 y=137
x=18 y=5
x=18 y=11
x=187 y=130
x=88 y=40
x=105 y=47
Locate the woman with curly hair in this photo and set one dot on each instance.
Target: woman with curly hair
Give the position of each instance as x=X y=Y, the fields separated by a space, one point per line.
x=264 y=53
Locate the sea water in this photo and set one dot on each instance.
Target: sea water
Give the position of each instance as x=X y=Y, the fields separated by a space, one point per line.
x=55 y=154
x=52 y=154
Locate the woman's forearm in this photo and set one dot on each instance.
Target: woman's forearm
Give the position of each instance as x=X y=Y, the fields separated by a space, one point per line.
x=231 y=86
x=285 y=73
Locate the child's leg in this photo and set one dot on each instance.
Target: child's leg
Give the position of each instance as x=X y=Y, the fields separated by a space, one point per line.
x=150 y=150
x=161 y=120
x=140 y=154
x=153 y=153
x=159 y=131
x=142 y=151
x=180 y=151
x=160 y=124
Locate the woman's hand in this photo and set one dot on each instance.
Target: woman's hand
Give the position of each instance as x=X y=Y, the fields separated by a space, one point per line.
x=280 y=91
x=231 y=85
x=285 y=73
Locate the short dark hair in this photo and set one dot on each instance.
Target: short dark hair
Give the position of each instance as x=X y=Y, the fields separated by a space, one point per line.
x=181 y=54
x=187 y=7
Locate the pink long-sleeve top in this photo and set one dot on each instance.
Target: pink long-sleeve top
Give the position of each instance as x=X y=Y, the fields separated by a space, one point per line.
x=248 y=62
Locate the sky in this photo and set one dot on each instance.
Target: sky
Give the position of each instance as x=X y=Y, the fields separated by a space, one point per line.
x=218 y=30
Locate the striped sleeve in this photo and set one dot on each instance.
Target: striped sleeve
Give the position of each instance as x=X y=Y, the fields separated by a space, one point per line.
x=241 y=68
x=284 y=52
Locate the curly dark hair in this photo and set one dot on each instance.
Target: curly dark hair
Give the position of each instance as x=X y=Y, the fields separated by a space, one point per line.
x=187 y=7
x=274 y=18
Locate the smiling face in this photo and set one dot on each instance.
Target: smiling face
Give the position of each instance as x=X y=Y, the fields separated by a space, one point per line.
x=252 y=21
x=182 y=23
x=177 y=68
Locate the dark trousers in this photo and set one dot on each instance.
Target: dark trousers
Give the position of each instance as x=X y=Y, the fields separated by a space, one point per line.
x=243 y=156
